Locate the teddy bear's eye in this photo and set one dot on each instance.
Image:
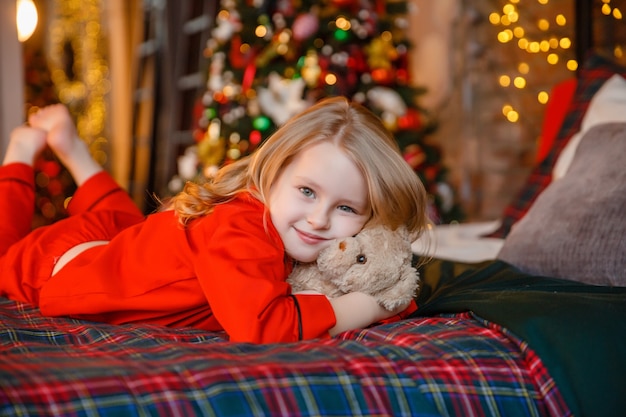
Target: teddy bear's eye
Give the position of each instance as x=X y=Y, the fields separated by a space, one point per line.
x=361 y=259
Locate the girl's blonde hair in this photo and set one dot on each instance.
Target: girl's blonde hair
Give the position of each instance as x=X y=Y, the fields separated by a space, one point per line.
x=396 y=195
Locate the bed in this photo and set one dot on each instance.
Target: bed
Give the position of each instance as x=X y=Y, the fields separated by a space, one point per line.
x=492 y=341
x=499 y=330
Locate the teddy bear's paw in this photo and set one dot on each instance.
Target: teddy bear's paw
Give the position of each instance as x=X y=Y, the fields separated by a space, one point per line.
x=399 y=294
x=391 y=305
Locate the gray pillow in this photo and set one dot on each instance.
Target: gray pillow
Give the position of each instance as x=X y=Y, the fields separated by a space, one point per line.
x=576 y=228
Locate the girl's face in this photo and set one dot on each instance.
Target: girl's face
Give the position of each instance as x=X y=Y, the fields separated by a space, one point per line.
x=319 y=196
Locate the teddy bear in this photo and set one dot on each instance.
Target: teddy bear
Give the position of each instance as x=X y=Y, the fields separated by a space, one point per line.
x=376 y=261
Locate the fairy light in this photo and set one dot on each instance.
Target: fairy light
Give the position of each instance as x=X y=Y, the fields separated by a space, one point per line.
x=572 y=65
x=608 y=10
x=84 y=86
x=510 y=113
x=554 y=42
x=505 y=36
x=343 y=23
x=552 y=59
x=533 y=47
x=512 y=116
x=330 y=79
x=260 y=31
x=540 y=36
x=523 y=43
x=523 y=68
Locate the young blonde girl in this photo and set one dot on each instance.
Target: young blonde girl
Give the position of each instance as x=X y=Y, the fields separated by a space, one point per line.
x=219 y=258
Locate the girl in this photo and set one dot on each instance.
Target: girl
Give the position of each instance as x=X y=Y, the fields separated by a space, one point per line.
x=219 y=258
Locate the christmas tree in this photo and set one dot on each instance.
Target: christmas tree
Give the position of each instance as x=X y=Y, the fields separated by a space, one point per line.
x=268 y=60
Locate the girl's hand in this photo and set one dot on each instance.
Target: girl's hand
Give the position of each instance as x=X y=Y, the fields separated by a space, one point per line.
x=357 y=310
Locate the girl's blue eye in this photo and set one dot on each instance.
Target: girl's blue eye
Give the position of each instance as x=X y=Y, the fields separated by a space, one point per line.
x=347 y=209
x=307 y=192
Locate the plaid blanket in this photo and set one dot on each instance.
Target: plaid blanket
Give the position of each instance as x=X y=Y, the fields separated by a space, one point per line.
x=446 y=365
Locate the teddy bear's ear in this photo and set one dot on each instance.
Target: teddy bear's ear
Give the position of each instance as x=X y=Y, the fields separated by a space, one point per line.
x=403 y=231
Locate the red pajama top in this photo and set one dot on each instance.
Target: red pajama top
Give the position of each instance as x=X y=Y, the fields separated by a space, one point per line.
x=224 y=271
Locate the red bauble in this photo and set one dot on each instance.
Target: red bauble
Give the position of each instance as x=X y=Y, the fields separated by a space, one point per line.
x=382 y=76
x=343 y=3
x=237 y=59
x=414 y=156
x=410 y=120
x=255 y=137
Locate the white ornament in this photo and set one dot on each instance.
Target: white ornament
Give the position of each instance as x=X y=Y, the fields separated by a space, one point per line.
x=227 y=25
x=188 y=163
x=447 y=196
x=388 y=100
x=282 y=99
x=216 y=81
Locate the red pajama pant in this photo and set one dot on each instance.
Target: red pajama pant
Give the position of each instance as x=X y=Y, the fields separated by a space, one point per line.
x=98 y=211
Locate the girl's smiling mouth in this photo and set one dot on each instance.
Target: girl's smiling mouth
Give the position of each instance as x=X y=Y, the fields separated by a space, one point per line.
x=309 y=238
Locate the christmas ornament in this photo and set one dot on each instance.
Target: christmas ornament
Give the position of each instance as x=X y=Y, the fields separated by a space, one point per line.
x=228 y=22
x=411 y=120
x=211 y=151
x=414 y=156
x=387 y=100
x=305 y=26
x=380 y=52
x=311 y=70
x=343 y=3
x=261 y=123
x=187 y=163
x=282 y=99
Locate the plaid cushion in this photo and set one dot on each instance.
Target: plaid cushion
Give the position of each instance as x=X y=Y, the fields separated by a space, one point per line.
x=593 y=74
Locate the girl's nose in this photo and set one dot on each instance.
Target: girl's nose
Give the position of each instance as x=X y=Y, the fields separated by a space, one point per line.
x=319 y=218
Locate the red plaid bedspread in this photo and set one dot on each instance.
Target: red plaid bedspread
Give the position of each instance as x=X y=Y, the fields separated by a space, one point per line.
x=457 y=365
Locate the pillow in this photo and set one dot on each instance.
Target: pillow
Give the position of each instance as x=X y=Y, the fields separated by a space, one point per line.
x=607 y=105
x=576 y=228
x=593 y=73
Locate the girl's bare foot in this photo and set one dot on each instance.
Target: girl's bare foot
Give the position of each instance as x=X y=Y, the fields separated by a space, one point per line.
x=24 y=145
x=64 y=141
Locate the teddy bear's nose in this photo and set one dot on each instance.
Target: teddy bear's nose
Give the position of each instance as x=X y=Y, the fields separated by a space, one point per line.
x=361 y=259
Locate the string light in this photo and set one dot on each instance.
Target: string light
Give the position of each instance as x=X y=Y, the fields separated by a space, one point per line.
x=542 y=37
x=546 y=43
x=79 y=69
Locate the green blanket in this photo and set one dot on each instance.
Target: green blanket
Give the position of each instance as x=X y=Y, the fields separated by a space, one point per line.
x=578 y=330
